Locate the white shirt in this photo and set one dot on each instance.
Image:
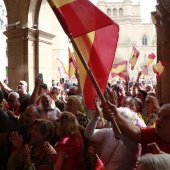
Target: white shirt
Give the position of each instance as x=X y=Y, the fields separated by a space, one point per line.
x=52 y=114
x=126 y=154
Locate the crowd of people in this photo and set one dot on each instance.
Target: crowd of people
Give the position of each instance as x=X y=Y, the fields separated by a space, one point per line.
x=51 y=129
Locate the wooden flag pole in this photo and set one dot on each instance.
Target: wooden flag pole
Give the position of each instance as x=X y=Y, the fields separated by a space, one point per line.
x=92 y=78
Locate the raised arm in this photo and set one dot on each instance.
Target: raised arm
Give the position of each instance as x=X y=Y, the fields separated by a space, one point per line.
x=34 y=95
x=80 y=93
x=91 y=132
x=5 y=87
x=136 y=84
x=127 y=128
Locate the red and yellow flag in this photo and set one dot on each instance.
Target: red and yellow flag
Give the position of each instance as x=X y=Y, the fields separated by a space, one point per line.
x=124 y=75
x=134 y=57
x=120 y=70
x=96 y=36
x=149 y=60
x=159 y=68
x=99 y=164
x=79 y=17
x=98 y=50
x=61 y=68
x=72 y=63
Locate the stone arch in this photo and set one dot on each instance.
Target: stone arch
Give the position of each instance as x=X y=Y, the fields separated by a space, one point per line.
x=33 y=13
x=24 y=40
x=24 y=11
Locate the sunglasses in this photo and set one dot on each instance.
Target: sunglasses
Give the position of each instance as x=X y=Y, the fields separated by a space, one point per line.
x=20 y=84
x=10 y=100
x=147 y=101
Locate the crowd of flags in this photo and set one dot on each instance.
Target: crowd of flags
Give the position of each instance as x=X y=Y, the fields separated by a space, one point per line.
x=120 y=69
x=96 y=36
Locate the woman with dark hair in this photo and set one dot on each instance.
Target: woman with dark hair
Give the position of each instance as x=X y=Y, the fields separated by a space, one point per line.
x=70 y=146
x=41 y=155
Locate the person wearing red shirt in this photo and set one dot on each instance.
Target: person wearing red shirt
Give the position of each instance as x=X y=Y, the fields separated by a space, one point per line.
x=159 y=135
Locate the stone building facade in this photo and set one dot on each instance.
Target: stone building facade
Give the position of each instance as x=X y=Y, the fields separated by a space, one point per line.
x=161 y=20
x=133 y=32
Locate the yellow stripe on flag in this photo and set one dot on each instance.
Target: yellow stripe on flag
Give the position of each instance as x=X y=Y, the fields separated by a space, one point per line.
x=119 y=69
x=149 y=61
x=59 y=4
x=133 y=59
x=85 y=44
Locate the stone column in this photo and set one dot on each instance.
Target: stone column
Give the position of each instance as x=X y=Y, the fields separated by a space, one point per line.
x=163 y=48
x=25 y=48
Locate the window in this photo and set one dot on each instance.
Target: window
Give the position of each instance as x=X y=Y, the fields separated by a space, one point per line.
x=120 y=12
x=144 y=40
x=114 y=12
x=109 y=12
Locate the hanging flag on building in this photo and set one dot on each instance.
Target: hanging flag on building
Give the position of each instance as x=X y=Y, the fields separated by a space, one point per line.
x=134 y=57
x=96 y=36
x=72 y=63
x=148 y=62
x=159 y=68
x=99 y=164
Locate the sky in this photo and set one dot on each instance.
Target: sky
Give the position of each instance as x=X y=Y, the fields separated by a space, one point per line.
x=147 y=6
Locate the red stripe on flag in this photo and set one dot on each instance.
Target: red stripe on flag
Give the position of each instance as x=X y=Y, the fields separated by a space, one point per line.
x=86 y=14
x=159 y=68
x=134 y=57
x=151 y=56
x=100 y=62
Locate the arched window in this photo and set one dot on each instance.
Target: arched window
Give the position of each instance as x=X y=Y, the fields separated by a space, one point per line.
x=120 y=12
x=114 y=12
x=109 y=12
x=144 y=40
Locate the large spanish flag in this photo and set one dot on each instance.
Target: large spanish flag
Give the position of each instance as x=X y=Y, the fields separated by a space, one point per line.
x=98 y=50
x=96 y=36
x=148 y=62
x=134 y=57
x=159 y=68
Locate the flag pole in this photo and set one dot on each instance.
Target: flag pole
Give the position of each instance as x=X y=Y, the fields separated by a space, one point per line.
x=96 y=86
x=64 y=25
